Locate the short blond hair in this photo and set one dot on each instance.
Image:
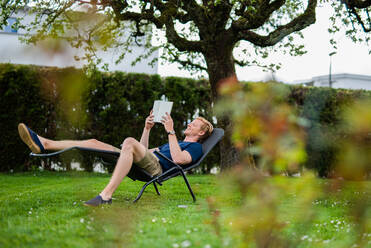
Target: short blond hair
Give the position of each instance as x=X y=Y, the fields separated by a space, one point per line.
x=207 y=127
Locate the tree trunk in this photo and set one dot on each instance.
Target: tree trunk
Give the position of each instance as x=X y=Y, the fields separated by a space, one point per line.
x=220 y=65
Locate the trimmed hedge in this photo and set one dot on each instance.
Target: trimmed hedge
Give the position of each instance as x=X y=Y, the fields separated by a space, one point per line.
x=20 y=100
x=71 y=104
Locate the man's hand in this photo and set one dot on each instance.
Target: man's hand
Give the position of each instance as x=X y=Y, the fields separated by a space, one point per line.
x=168 y=122
x=149 y=121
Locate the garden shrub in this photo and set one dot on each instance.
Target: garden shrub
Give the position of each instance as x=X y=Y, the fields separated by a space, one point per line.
x=69 y=103
x=21 y=101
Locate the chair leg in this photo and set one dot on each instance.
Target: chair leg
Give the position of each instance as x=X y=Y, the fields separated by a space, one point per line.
x=141 y=191
x=189 y=186
x=154 y=184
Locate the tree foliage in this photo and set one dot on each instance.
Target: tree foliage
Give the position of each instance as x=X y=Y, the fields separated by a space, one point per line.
x=353 y=18
x=195 y=30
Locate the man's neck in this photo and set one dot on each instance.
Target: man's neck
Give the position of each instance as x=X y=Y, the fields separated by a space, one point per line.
x=190 y=139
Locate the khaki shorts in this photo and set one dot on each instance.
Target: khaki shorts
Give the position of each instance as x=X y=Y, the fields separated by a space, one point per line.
x=150 y=164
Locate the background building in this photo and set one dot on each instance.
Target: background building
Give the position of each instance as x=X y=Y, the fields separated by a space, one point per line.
x=344 y=81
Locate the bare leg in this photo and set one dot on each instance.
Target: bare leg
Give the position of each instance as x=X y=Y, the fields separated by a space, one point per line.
x=132 y=151
x=62 y=144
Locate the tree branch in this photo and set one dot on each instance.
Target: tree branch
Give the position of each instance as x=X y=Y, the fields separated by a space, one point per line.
x=188 y=63
x=359 y=4
x=247 y=21
x=122 y=15
x=59 y=12
x=351 y=6
x=254 y=63
x=196 y=13
x=180 y=43
x=298 y=23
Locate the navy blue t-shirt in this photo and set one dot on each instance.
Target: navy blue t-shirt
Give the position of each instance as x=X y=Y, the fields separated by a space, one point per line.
x=194 y=149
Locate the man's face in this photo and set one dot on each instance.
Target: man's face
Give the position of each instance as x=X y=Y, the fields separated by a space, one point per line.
x=194 y=128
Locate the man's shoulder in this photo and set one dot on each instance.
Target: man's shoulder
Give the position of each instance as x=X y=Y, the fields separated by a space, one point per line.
x=192 y=147
x=186 y=143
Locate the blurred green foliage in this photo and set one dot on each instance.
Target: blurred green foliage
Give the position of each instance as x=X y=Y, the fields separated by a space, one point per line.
x=266 y=129
x=322 y=107
x=271 y=132
x=354 y=157
x=317 y=109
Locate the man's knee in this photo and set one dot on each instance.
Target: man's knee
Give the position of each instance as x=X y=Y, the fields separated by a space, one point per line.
x=93 y=140
x=129 y=143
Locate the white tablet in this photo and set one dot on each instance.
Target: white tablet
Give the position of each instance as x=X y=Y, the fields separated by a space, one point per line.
x=160 y=108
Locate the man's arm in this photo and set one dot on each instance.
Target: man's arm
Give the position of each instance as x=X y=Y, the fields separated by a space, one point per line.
x=178 y=156
x=154 y=149
x=147 y=129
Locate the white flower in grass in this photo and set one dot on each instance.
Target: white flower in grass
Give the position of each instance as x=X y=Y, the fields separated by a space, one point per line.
x=226 y=242
x=332 y=221
x=186 y=243
x=154 y=220
x=175 y=245
x=304 y=237
x=74 y=203
x=188 y=231
x=163 y=220
x=207 y=246
x=195 y=229
x=326 y=241
x=82 y=220
x=29 y=212
x=140 y=231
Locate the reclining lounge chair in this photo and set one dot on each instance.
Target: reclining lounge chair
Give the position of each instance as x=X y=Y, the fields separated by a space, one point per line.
x=137 y=173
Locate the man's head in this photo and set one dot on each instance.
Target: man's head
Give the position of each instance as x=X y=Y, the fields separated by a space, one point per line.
x=199 y=127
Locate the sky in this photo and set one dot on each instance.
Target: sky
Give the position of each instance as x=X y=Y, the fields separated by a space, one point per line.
x=350 y=57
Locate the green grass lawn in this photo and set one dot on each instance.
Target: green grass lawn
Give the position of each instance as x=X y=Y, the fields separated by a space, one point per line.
x=44 y=209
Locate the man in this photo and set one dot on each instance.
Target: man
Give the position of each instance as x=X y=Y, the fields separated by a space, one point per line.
x=132 y=151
